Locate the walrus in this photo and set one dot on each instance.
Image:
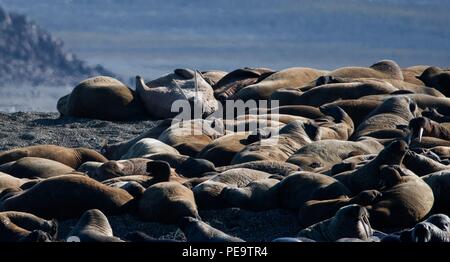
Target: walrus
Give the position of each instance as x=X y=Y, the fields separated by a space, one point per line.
x=116 y=151
x=72 y=157
x=325 y=153
x=112 y=169
x=208 y=194
x=159 y=95
x=103 y=98
x=389 y=115
x=437 y=78
x=399 y=84
x=234 y=81
x=18 y=226
x=196 y=230
x=422 y=126
x=35 y=167
x=67 y=196
x=293 y=77
x=428 y=232
x=213 y=76
x=351 y=221
x=190 y=137
x=357 y=109
x=328 y=93
x=314 y=211
x=367 y=177
x=297 y=188
x=410 y=74
x=186 y=165
x=290 y=138
x=146 y=147
x=405 y=200
x=222 y=150
x=8 y=181
x=268 y=166
x=257 y=195
x=440 y=184
x=167 y=202
x=93 y=226
x=422 y=165
x=384 y=69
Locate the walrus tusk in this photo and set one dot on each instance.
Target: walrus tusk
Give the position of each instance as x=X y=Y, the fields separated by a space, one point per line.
x=420 y=134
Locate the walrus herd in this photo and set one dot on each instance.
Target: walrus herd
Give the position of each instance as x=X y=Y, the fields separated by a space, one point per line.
x=357 y=153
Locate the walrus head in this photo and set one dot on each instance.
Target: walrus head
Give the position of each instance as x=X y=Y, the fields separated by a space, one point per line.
x=366 y=197
x=426 y=75
x=418 y=126
x=442 y=221
x=62 y=104
x=159 y=169
x=351 y=221
x=393 y=154
x=37 y=236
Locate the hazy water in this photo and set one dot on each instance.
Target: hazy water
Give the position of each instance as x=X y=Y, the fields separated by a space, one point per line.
x=152 y=37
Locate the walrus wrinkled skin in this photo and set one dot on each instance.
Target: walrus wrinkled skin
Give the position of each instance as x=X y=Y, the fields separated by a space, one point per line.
x=258 y=195
x=367 y=177
x=35 y=167
x=295 y=189
x=440 y=184
x=72 y=157
x=103 y=98
x=208 y=194
x=384 y=69
x=268 y=166
x=314 y=211
x=293 y=77
x=196 y=230
x=18 y=227
x=120 y=168
x=67 y=196
x=326 y=153
x=186 y=85
x=405 y=200
x=167 y=202
x=349 y=222
x=388 y=116
x=93 y=226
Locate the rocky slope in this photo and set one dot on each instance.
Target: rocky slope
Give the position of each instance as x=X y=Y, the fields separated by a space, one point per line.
x=31 y=56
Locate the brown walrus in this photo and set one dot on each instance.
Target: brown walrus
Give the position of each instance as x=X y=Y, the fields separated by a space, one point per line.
x=72 y=157
x=35 y=167
x=67 y=196
x=18 y=226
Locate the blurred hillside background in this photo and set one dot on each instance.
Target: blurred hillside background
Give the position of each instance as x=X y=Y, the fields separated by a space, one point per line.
x=152 y=37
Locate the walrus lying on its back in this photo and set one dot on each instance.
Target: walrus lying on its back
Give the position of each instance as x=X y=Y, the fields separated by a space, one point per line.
x=72 y=157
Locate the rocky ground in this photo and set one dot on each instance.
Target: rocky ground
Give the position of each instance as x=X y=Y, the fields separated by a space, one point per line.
x=25 y=129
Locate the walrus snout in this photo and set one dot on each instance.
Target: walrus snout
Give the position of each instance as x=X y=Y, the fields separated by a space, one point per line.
x=160 y=169
x=421 y=233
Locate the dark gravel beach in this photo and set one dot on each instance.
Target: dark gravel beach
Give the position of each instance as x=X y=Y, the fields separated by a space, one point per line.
x=26 y=129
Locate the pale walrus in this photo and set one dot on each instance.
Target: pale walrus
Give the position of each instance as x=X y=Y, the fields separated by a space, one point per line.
x=67 y=196
x=103 y=98
x=93 y=226
x=196 y=230
x=185 y=85
x=349 y=222
x=35 y=167
x=146 y=147
x=72 y=157
x=167 y=202
x=18 y=226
